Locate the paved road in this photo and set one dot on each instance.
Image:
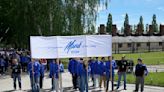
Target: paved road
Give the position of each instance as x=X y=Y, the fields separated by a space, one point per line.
x=6 y=85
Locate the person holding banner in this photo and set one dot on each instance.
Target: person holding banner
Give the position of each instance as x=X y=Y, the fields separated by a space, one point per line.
x=72 y=68
x=92 y=66
x=102 y=73
x=42 y=69
x=61 y=69
x=34 y=72
x=54 y=74
x=83 y=72
x=108 y=72
x=97 y=72
x=122 y=68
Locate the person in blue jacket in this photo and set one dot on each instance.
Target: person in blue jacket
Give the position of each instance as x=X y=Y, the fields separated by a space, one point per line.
x=108 y=72
x=61 y=69
x=97 y=72
x=2 y=65
x=102 y=73
x=83 y=73
x=42 y=70
x=34 y=72
x=54 y=74
x=92 y=74
x=140 y=73
x=72 y=68
x=23 y=61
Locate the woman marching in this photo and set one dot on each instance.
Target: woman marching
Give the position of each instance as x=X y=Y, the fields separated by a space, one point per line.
x=54 y=74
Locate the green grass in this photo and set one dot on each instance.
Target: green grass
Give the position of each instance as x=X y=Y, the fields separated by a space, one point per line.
x=152 y=58
x=155 y=79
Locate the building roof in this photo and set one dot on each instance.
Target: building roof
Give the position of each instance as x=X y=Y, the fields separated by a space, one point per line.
x=129 y=39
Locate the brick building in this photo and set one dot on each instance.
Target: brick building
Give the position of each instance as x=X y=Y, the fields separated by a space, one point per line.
x=161 y=30
x=139 y=30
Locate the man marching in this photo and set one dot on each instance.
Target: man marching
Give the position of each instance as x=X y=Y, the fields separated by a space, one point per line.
x=54 y=74
x=72 y=68
x=16 y=73
x=34 y=72
x=108 y=72
x=140 y=72
x=122 y=68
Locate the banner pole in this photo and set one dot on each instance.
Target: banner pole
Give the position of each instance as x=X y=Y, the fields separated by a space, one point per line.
x=111 y=77
x=87 y=75
x=60 y=76
x=32 y=66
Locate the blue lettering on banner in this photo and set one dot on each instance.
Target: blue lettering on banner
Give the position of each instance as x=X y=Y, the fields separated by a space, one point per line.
x=72 y=45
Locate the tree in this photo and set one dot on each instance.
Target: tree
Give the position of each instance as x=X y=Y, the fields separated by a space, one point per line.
x=141 y=23
x=154 y=24
x=126 y=24
x=109 y=24
x=45 y=17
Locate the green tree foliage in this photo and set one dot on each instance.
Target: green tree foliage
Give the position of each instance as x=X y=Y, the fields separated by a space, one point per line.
x=126 y=23
x=109 y=24
x=19 y=19
x=154 y=24
x=141 y=24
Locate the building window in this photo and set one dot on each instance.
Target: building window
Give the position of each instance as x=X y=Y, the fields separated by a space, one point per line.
x=160 y=43
x=148 y=43
x=138 y=44
x=120 y=45
x=129 y=44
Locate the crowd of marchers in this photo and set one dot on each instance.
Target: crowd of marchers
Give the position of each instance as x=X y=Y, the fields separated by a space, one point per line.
x=100 y=71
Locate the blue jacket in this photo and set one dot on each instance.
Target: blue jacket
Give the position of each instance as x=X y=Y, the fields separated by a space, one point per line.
x=34 y=67
x=141 y=70
x=92 y=66
x=23 y=59
x=72 y=66
x=81 y=71
x=99 y=68
x=42 y=69
x=107 y=68
x=54 y=70
x=2 y=62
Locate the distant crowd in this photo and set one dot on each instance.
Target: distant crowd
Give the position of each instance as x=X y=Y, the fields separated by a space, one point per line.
x=99 y=71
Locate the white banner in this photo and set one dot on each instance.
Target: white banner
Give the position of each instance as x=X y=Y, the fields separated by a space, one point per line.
x=43 y=47
x=99 y=45
x=71 y=46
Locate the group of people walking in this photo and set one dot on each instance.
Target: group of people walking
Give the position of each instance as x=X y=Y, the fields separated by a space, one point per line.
x=98 y=71
x=102 y=71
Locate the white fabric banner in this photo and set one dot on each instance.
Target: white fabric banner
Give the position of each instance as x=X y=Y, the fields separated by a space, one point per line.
x=43 y=47
x=99 y=45
x=71 y=46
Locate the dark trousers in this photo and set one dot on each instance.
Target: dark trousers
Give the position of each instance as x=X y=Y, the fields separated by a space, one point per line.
x=112 y=82
x=2 y=69
x=74 y=81
x=41 y=82
x=139 y=80
x=35 y=83
x=83 y=83
x=15 y=77
x=120 y=74
x=24 y=66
